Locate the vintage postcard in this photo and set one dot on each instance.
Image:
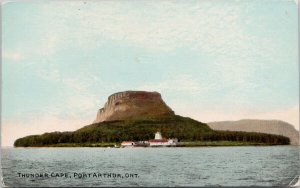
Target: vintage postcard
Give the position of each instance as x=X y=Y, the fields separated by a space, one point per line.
x=170 y=93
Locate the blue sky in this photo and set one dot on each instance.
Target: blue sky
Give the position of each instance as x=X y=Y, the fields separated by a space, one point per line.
x=211 y=60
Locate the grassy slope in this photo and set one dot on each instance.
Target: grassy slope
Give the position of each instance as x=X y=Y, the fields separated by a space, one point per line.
x=185 y=129
x=176 y=126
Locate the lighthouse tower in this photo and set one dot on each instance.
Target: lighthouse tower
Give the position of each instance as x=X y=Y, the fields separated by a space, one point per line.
x=158 y=136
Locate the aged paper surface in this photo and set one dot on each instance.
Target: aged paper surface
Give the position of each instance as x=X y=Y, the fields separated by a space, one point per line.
x=150 y=93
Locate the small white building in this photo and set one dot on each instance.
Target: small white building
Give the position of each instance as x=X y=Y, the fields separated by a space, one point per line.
x=128 y=144
x=158 y=136
x=173 y=141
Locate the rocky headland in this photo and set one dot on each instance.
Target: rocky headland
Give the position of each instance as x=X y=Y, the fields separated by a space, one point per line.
x=131 y=105
x=136 y=116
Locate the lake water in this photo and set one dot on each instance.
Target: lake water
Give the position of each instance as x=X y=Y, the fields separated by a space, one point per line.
x=201 y=166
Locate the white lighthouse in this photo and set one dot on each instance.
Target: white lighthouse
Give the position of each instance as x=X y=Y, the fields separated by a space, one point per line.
x=158 y=136
x=160 y=141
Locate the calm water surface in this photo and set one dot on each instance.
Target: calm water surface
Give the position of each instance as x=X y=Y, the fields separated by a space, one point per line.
x=201 y=166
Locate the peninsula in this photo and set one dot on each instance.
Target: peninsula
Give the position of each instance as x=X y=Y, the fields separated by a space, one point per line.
x=137 y=115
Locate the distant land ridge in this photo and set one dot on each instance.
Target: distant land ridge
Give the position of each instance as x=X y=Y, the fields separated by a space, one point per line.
x=276 y=127
x=129 y=105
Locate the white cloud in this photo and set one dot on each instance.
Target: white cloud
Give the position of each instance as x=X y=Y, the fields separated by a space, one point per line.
x=180 y=83
x=84 y=102
x=208 y=27
x=80 y=98
x=214 y=29
x=171 y=26
x=13 y=56
x=49 y=44
x=51 y=74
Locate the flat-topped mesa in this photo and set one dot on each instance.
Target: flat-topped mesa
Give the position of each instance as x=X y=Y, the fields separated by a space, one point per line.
x=131 y=105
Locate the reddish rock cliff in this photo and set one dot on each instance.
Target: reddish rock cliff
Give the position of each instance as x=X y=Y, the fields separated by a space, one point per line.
x=130 y=105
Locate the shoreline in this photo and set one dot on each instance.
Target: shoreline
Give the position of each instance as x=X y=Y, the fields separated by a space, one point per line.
x=180 y=145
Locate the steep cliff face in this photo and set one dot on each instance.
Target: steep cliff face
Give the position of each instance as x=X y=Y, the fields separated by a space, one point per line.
x=262 y=126
x=130 y=105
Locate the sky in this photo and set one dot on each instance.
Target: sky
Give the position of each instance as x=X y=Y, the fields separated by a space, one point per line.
x=210 y=60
